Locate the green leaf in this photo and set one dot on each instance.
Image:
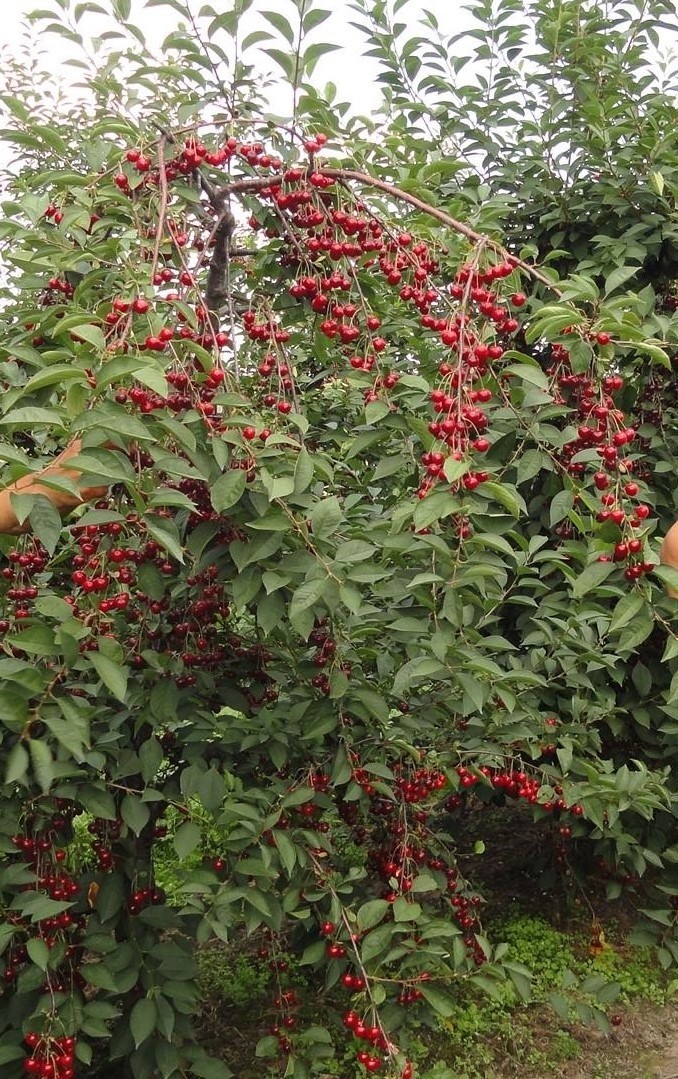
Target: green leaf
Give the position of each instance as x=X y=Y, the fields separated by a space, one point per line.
x=561 y=504
x=326 y=518
x=286 y=850
x=92 y=335
x=210 y=790
x=422 y=667
x=376 y=942
x=142 y=1020
x=45 y=522
x=528 y=373
x=72 y=732
x=372 y=913
x=506 y=495
x=42 y=762
x=404 y=910
x=435 y=507
x=303 y=471
x=657 y=354
x=98 y=802
x=228 y=489
x=280 y=23
x=135 y=813
x=628 y=608
x=31 y=417
x=306 y=595
x=284 y=60
x=374 y=410
x=268 y=1046
x=619 y=276
x=593 y=576
x=166 y=534
x=113 y=675
x=440 y=1002
x=55 y=375
x=314 y=17
x=186 y=839
x=17 y=763
x=38 y=952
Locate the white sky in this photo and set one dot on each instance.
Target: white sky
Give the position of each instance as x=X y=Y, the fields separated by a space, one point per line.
x=352 y=73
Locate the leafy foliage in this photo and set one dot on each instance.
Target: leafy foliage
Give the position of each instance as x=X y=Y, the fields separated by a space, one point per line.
x=374 y=503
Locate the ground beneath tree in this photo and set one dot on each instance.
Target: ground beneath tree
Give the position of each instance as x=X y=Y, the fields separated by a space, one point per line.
x=644 y=1046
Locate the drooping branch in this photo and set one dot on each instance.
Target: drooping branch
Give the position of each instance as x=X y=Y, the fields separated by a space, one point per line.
x=345 y=175
x=440 y=215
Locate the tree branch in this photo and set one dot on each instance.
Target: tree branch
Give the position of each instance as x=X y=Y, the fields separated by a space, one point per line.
x=397 y=193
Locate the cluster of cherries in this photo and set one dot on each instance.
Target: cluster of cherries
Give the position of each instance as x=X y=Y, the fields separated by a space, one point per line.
x=50 y=1057
x=370 y=1033
x=603 y=427
x=101 y=589
x=145 y=897
x=192 y=155
x=328 y=239
x=42 y=848
x=285 y=1003
x=26 y=563
x=514 y=784
x=104 y=835
x=403 y=845
x=324 y=655
x=471 y=351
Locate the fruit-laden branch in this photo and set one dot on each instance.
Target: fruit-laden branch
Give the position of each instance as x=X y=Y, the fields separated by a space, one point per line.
x=397 y=193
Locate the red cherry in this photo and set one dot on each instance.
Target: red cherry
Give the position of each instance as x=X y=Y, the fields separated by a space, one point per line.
x=335 y=951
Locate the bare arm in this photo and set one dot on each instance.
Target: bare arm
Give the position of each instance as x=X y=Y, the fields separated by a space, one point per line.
x=31 y=485
x=669 y=553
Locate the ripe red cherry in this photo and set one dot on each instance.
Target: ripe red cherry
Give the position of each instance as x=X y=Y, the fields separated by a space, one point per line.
x=601 y=480
x=519 y=299
x=603 y=338
x=335 y=951
x=327 y=929
x=249 y=433
x=141 y=305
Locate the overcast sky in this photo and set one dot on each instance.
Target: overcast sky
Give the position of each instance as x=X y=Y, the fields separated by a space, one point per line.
x=351 y=72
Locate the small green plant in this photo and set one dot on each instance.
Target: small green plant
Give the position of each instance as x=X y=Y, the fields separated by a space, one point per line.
x=238 y=980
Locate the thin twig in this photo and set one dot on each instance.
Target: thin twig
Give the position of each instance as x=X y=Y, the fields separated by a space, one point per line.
x=164 y=198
